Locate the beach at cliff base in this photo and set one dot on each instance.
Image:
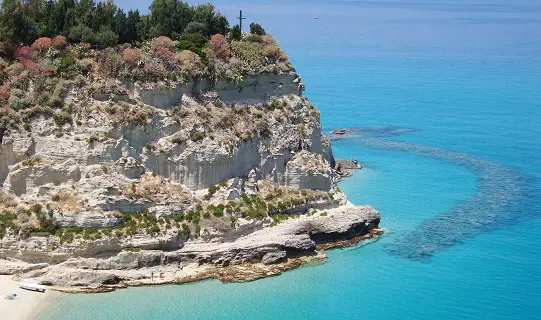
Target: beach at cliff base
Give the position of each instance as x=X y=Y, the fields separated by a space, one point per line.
x=26 y=305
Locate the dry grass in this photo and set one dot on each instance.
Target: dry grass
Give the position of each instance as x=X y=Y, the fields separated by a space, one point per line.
x=156 y=189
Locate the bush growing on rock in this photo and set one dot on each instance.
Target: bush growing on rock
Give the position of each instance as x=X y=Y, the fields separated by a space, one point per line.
x=41 y=45
x=254 y=38
x=220 y=47
x=112 y=64
x=85 y=66
x=59 y=42
x=161 y=42
x=273 y=53
x=65 y=65
x=193 y=42
x=131 y=56
x=190 y=64
x=5 y=92
x=197 y=136
x=61 y=118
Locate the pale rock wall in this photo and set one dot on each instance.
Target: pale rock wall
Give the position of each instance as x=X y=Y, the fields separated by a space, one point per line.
x=12 y=150
x=87 y=219
x=22 y=179
x=252 y=89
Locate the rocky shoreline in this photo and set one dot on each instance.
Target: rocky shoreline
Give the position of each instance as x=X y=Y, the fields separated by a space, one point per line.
x=263 y=253
x=126 y=183
x=230 y=274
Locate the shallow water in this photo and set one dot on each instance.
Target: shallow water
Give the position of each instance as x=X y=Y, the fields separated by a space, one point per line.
x=448 y=95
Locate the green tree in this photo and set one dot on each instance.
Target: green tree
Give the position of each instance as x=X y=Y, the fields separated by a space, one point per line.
x=106 y=38
x=193 y=42
x=236 y=33
x=256 y=28
x=215 y=22
x=168 y=17
x=196 y=27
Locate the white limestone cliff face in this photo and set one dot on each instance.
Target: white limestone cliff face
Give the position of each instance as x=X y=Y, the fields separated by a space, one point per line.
x=251 y=90
x=257 y=138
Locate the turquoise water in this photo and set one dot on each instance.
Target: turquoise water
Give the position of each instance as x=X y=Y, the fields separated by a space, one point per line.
x=458 y=194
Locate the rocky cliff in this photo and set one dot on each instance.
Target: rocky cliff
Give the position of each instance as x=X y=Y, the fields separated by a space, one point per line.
x=138 y=176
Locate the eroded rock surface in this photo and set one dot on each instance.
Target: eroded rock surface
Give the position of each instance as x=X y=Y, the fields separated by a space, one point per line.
x=180 y=178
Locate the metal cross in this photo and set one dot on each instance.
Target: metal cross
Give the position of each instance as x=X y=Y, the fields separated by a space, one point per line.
x=240 y=20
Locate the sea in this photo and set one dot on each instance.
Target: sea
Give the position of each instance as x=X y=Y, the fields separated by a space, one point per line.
x=445 y=101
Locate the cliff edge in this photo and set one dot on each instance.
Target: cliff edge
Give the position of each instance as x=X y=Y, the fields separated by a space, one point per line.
x=111 y=170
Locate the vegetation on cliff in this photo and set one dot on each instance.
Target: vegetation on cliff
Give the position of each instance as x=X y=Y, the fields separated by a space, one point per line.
x=47 y=53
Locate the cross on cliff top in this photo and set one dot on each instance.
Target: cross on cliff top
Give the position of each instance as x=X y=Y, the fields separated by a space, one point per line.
x=240 y=17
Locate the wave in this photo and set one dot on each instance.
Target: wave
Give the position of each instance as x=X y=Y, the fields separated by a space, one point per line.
x=503 y=197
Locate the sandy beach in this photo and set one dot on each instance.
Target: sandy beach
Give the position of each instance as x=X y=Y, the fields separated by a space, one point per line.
x=27 y=304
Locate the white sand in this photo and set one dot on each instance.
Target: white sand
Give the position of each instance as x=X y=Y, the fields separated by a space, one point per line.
x=27 y=304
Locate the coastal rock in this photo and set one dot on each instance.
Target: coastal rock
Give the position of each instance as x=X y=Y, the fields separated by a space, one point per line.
x=87 y=219
x=274 y=257
x=197 y=176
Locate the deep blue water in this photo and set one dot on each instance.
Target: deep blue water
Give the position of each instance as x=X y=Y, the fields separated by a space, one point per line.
x=459 y=192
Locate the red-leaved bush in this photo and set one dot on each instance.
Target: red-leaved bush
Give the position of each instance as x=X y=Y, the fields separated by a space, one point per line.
x=59 y=42
x=42 y=44
x=5 y=92
x=220 y=47
x=131 y=56
x=161 y=42
x=24 y=53
x=149 y=67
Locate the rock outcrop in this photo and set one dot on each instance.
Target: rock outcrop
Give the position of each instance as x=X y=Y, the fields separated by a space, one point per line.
x=190 y=177
x=296 y=237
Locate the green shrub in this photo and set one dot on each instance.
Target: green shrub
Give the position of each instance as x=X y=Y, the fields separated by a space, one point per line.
x=85 y=66
x=179 y=217
x=65 y=64
x=254 y=38
x=236 y=33
x=193 y=42
x=7 y=221
x=36 y=208
x=197 y=136
x=106 y=38
x=185 y=231
x=219 y=210
x=112 y=64
x=245 y=198
x=61 y=118
x=46 y=224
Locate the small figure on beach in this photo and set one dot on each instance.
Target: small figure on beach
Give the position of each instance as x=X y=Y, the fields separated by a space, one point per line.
x=161 y=275
x=152 y=276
